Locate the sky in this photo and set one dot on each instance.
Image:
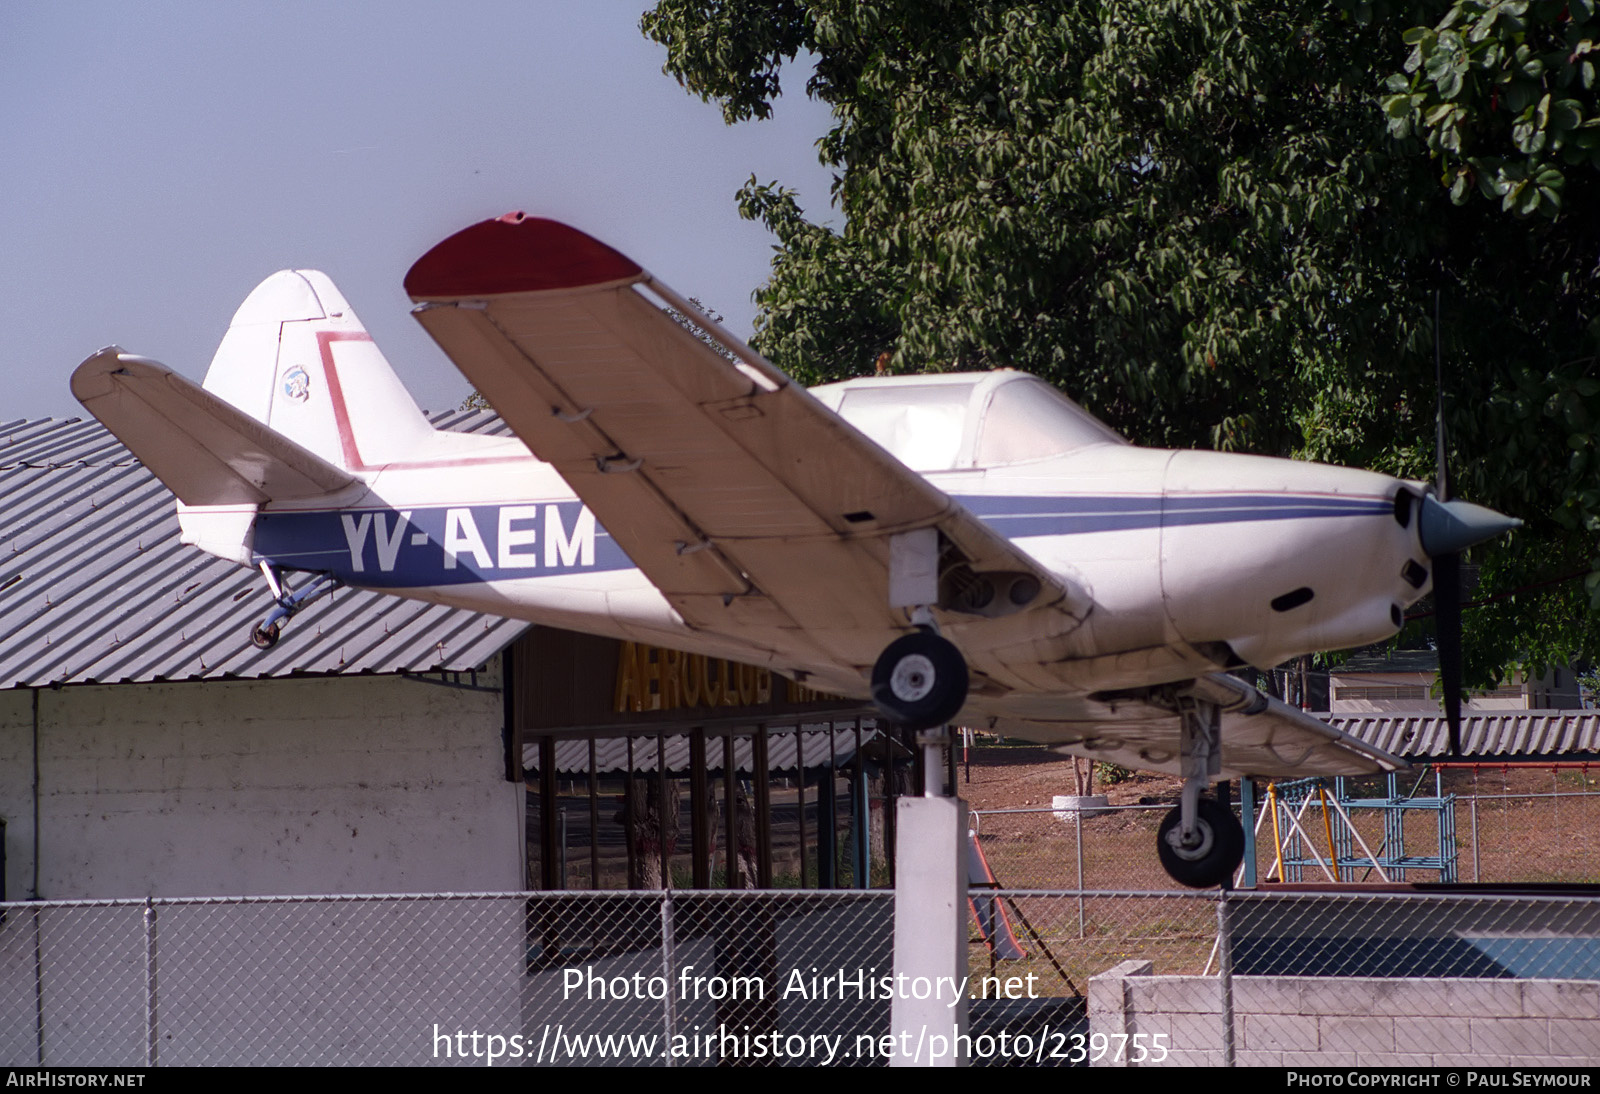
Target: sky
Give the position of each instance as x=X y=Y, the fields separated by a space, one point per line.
x=159 y=159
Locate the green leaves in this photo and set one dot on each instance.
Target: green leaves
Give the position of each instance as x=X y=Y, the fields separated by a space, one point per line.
x=1512 y=98
x=1214 y=223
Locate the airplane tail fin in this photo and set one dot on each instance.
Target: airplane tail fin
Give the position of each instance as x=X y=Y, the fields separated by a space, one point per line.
x=297 y=404
x=298 y=360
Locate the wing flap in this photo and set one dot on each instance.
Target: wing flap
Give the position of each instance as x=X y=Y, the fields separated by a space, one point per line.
x=1261 y=736
x=206 y=451
x=1266 y=736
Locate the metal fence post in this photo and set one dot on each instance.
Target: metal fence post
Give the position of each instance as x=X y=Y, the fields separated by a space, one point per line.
x=152 y=1042
x=1477 y=867
x=668 y=959
x=1077 y=829
x=1225 y=974
x=38 y=986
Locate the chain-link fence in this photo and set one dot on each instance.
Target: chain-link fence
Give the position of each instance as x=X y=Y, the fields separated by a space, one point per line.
x=570 y=978
x=1105 y=847
x=1301 y=979
x=1371 y=979
x=1063 y=977
x=1527 y=824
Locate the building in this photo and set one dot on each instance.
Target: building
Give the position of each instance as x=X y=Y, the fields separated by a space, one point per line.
x=147 y=748
x=1373 y=681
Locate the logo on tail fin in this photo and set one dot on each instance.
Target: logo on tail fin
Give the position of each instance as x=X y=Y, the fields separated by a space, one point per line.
x=297 y=384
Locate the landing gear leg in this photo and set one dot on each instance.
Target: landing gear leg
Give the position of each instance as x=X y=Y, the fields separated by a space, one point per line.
x=286 y=604
x=920 y=681
x=1200 y=843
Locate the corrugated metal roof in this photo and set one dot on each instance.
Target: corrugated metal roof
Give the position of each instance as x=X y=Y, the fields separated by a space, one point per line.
x=1487 y=735
x=96 y=588
x=821 y=744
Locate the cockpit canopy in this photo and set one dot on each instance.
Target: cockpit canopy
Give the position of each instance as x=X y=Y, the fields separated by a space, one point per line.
x=946 y=422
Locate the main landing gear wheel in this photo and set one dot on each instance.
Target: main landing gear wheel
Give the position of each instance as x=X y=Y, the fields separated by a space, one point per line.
x=1213 y=854
x=920 y=681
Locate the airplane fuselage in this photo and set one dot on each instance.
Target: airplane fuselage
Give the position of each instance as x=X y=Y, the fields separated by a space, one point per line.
x=957 y=547
x=1184 y=570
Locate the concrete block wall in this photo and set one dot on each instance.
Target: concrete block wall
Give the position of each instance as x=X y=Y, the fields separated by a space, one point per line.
x=257 y=982
x=332 y=785
x=1282 y=1021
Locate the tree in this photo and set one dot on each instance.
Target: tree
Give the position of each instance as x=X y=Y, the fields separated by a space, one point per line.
x=1198 y=218
x=1504 y=93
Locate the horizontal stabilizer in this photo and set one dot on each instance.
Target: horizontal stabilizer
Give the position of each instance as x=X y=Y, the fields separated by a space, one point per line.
x=205 y=450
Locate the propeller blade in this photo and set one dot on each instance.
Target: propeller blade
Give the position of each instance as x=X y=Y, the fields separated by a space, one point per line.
x=1444 y=536
x=1442 y=482
x=1446 y=528
x=1447 y=621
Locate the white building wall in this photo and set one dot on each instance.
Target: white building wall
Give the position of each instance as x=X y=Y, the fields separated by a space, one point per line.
x=16 y=794
x=337 y=785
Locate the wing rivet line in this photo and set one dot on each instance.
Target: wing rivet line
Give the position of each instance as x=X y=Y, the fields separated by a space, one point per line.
x=617 y=465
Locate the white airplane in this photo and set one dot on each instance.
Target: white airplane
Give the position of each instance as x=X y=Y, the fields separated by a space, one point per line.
x=969 y=547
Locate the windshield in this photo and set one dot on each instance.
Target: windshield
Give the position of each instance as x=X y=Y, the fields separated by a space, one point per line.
x=1027 y=419
x=920 y=424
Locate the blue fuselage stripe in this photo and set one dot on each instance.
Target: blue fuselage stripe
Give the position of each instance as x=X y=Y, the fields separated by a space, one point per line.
x=452 y=545
x=441 y=545
x=1016 y=517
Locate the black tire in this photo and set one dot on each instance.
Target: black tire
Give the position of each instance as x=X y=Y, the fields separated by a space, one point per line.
x=1215 y=858
x=264 y=638
x=920 y=681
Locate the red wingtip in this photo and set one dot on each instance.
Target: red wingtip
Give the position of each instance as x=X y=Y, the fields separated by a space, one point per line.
x=515 y=253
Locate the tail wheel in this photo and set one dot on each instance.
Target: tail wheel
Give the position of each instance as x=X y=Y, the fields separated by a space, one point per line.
x=920 y=681
x=1214 y=852
x=264 y=638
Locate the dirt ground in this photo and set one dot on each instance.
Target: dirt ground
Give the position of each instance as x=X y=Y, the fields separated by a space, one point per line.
x=1022 y=776
x=1508 y=824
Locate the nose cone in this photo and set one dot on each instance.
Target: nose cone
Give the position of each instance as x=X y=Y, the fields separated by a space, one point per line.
x=1450 y=527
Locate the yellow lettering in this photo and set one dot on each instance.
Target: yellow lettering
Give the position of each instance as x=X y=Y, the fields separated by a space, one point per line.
x=656 y=678
x=649 y=678
x=694 y=674
x=625 y=694
x=671 y=679
x=710 y=693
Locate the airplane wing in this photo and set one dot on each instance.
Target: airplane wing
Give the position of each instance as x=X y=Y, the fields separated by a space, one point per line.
x=750 y=505
x=206 y=450
x=1261 y=736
